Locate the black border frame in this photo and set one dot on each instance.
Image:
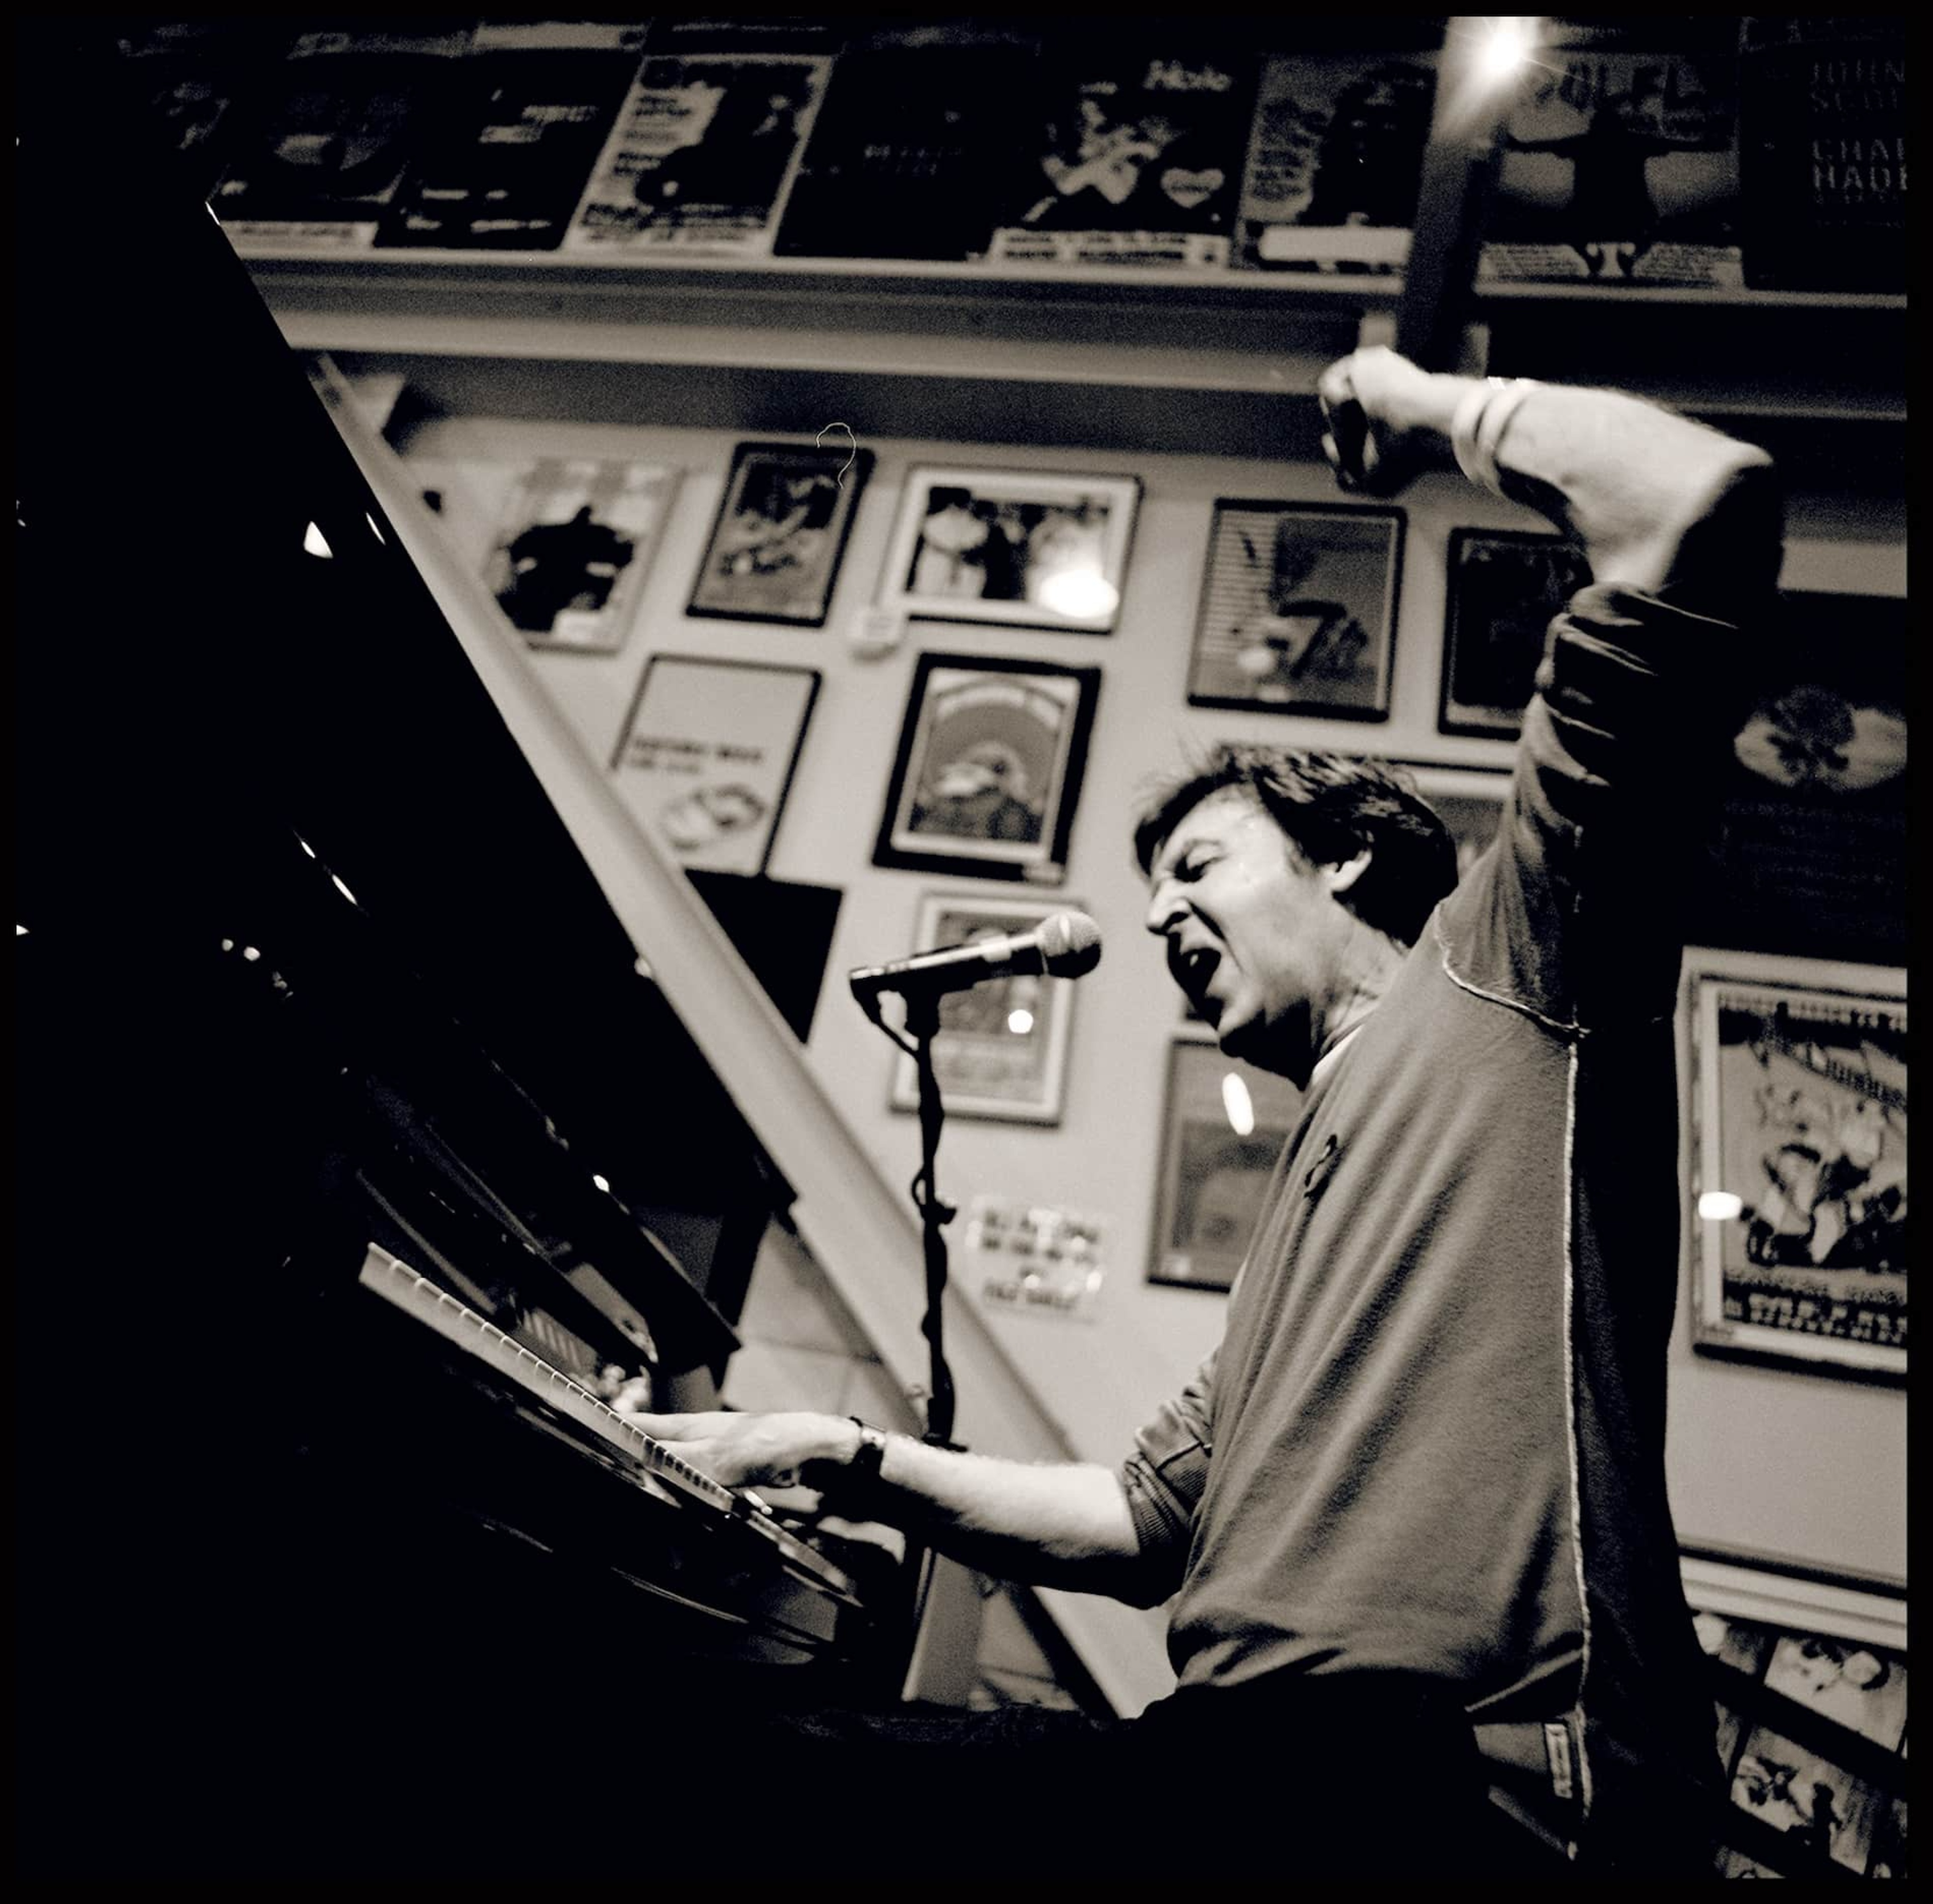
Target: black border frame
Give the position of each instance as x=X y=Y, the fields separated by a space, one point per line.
x=1459 y=539
x=1397 y=518
x=856 y=465
x=812 y=676
x=1053 y=872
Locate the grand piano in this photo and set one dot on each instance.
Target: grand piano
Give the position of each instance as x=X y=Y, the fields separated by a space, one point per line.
x=342 y=1104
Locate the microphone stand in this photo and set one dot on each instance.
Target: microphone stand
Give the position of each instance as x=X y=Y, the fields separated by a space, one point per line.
x=922 y=1023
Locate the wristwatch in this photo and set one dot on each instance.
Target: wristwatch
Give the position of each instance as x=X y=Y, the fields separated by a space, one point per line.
x=872 y=1450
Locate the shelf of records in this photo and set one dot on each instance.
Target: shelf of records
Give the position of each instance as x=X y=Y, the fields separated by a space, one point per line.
x=1758 y=168
x=1297 y=614
x=1807 y=1675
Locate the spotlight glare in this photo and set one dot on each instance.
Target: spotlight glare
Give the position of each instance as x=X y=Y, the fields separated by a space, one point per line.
x=1505 y=47
x=1080 y=594
x=1237 y=1102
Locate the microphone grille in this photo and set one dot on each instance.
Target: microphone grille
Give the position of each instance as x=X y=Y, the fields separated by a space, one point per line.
x=1070 y=944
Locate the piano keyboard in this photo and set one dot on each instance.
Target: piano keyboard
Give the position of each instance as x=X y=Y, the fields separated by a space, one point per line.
x=392 y=1278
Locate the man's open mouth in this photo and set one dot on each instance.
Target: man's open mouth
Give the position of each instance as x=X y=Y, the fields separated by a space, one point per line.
x=1192 y=971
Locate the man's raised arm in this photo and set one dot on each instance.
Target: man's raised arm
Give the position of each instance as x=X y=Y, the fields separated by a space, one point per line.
x=1662 y=505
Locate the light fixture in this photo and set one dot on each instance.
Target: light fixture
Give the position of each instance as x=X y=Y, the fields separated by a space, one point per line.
x=337 y=883
x=1505 y=44
x=1720 y=1206
x=1020 y=1021
x=315 y=542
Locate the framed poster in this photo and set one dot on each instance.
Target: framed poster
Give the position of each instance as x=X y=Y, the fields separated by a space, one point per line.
x=1298 y=610
x=775 y=548
x=1502 y=588
x=1001 y=1049
x=1016 y=547
x=1809 y=849
x=1809 y=1677
x=1469 y=801
x=708 y=750
x=572 y=547
x=1798 y=1177
x=988 y=769
x=1223 y=1131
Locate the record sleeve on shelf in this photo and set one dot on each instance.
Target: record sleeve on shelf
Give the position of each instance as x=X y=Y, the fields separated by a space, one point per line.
x=194 y=76
x=1335 y=153
x=1137 y=160
x=1620 y=167
x=505 y=164
x=327 y=160
x=701 y=154
x=572 y=547
x=1822 y=109
x=913 y=154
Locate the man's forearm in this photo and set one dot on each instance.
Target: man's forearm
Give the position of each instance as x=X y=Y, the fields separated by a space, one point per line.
x=1057 y=1524
x=1060 y=1523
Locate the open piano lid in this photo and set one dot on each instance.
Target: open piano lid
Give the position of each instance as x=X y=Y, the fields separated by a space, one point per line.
x=222 y=650
x=241 y=726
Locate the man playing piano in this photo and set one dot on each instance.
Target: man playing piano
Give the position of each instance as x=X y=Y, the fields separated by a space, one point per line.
x=1410 y=1515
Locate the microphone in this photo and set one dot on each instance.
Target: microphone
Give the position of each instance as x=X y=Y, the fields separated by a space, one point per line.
x=1062 y=947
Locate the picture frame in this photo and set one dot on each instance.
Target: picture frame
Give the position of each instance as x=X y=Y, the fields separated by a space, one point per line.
x=988 y=768
x=1502 y=588
x=1795 y=1072
x=572 y=547
x=1224 y=1125
x=1001 y=1049
x=1806 y=851
x=1298 y=613
x=1809 y=1673
x=1021 y=548
x=783 y=523
x=1469 y=801
x=707 y=753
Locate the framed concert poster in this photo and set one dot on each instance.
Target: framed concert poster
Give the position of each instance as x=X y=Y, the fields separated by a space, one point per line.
x=1001 y=1049
x=1016 y=547
x=1298 y=610
x=988 y=769
x=707 y=754
x=1223 y=1131
x=1797 y=1072
x=571 y=548
x=1503 y=588
x=1808 y=1674
x=781 y=529
x=1808 y=855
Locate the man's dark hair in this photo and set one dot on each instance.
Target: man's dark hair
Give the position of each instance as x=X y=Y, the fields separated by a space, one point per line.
x=1331 y=807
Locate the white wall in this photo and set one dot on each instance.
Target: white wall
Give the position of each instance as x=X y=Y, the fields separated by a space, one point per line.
x=1786 y=1464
